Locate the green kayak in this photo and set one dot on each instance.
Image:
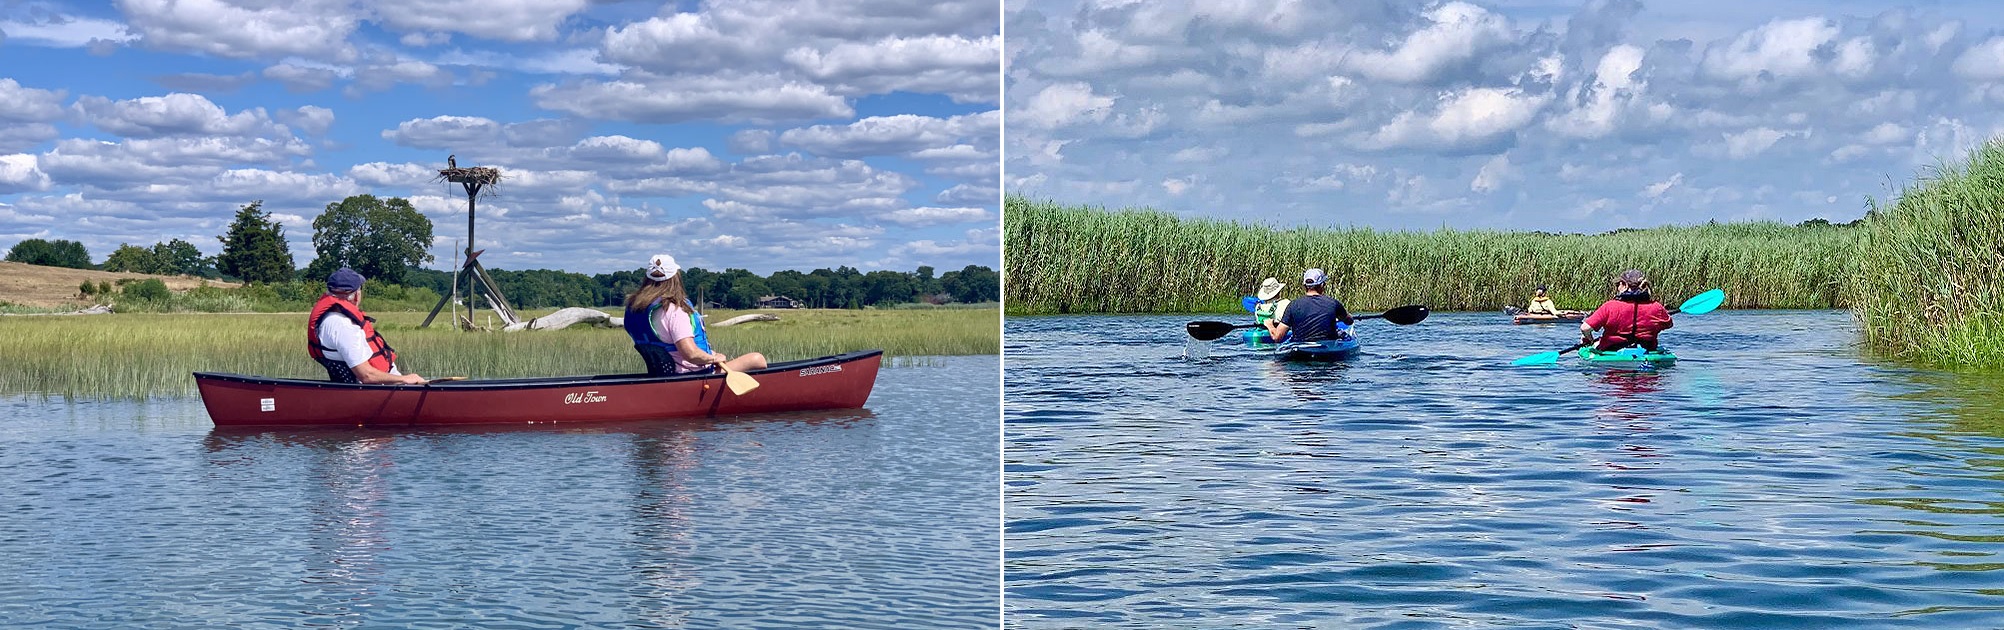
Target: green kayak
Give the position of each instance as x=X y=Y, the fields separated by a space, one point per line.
x=1630 y=355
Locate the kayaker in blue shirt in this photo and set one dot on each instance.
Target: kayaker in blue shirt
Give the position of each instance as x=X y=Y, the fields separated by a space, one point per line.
x=1313 y=317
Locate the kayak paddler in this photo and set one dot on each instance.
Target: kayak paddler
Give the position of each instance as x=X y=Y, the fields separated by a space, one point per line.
x=666 y=329
x=1313 y=317
x=344 y=339
x=1541 y=304
x=1269 y=308
x=1632 y=318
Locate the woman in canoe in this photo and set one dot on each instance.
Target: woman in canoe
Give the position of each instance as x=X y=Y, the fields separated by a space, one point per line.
x=668 y=332
x=1632 y=318
x=1315 y=316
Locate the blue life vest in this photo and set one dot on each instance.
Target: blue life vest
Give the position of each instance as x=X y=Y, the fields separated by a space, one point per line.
x=641 y=329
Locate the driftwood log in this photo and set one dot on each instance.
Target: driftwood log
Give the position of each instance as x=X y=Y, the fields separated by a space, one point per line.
x=101 y=309
x=754 y=317
x=565 y=318
x=570 y=316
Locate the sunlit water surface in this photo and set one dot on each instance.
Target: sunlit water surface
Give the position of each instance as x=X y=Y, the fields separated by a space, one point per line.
x=125 y=515
x=1772 y=479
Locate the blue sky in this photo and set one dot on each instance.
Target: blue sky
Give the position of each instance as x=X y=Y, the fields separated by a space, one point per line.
x=757 y=134
x=1513 y=114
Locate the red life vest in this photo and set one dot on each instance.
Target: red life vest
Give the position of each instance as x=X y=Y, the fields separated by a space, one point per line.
x=381 y=356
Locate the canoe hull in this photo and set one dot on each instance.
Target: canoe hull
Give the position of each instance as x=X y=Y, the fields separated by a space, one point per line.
x=1546 y=319
x=836 y=382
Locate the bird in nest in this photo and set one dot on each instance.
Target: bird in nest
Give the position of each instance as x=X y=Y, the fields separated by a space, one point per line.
x=451 y=162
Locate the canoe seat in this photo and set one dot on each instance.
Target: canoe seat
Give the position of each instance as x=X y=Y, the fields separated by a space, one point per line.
x=659 y=361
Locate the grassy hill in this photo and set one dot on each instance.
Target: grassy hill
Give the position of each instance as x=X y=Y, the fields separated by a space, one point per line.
x=56 y=287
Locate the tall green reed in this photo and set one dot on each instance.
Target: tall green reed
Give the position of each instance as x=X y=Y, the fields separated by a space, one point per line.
x=1930 y=284
x=1072 y=259
x=140 y=355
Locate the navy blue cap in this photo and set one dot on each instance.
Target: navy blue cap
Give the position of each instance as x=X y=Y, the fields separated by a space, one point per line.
x=344 y=280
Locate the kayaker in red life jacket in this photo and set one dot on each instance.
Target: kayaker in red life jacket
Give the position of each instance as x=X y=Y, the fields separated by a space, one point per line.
x=1632 y=318
x=344 y=339
x=666 y=330
x=1313 y=317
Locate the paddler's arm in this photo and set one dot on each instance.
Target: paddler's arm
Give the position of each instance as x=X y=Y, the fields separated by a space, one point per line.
x=1275 y=329
x=1343 y=314
x=369 y=374
x=696 y=355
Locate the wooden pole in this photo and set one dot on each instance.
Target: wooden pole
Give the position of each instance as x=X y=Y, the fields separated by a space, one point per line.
x=472 y=193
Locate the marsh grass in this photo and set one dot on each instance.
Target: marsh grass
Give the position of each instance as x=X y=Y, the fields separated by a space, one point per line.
x=1072 y=259
x=141 y=355
x=1930 y=286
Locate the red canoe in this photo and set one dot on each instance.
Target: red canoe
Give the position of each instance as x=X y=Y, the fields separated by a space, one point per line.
x=837 y=382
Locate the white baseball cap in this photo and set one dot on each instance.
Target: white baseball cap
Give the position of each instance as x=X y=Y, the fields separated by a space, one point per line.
x=662 y=267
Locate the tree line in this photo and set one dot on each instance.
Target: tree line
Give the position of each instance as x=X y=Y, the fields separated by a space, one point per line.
x=387 y=239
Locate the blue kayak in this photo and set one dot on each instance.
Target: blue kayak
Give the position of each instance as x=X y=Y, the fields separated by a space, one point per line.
x=1325 y=350
x=1257 y=338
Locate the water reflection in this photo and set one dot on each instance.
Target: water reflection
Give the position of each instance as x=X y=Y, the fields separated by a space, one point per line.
x=351 y=514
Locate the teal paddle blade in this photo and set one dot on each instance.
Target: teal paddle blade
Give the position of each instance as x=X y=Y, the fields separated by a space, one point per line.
x=1542 y=358
x=1703 y=303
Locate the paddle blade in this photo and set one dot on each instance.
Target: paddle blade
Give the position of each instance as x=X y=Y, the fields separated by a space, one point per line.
x=1206 y=331
x=1407 y=315
x=739 y=382
x=1250 y=303
x=1542 y=358
x=1703 y=303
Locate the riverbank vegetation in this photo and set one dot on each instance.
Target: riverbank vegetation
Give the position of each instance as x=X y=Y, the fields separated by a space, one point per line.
x=140 y=355
x=1930 y=281
x=1071 y=259
x=1923 y=272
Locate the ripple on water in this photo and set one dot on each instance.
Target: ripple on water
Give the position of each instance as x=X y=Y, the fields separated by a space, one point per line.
x=143 y=515
x=1770 y=479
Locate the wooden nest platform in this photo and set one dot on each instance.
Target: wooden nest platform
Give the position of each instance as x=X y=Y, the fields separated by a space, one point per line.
x=482 y=175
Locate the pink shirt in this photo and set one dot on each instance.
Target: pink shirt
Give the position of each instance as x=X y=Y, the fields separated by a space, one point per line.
x=671 y=323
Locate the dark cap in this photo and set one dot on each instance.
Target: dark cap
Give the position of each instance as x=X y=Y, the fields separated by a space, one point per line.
x=1541 y=287
x=344 y=280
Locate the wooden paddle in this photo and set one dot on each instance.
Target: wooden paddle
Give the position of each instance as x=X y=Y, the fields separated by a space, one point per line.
x=1209 y=330
x=739 y=382
x=1698 y=305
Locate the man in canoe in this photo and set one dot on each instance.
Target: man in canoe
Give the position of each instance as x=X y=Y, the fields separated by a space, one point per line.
x=1632 y=318
x=1314 y=317
x=344 y=339
x=668 y=332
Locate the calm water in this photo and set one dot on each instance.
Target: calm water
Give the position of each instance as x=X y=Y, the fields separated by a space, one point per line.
x=1773 y=479
x=120 y=515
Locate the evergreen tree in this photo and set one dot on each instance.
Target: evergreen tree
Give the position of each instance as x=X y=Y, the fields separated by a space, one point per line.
x=254 y=249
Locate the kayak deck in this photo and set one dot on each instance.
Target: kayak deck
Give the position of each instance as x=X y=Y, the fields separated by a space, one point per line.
x=1325 y=350
x=1631 y=355
x=1526 y=318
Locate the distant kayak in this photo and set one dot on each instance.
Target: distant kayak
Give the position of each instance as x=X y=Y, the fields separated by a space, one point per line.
x=1542 y=318
x=1325 y=350
x=1629 y=355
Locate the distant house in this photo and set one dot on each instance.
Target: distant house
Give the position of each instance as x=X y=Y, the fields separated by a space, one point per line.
x=777 y=301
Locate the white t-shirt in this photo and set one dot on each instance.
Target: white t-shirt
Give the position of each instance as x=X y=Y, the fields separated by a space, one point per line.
x=345 y=342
